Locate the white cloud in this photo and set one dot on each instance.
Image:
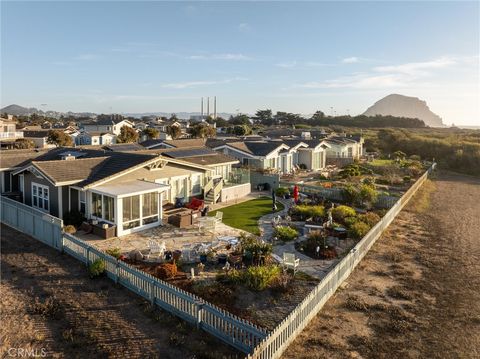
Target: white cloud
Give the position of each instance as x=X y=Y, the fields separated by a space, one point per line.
x=287 y=65
x=418 y=68
x=386 y=77
x=350 y=60
x=244 y=27
x=192 y=84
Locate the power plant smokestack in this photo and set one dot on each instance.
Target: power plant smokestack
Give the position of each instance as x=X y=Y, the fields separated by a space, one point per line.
x=215 y=107
x=201 y=109
x=208 y=106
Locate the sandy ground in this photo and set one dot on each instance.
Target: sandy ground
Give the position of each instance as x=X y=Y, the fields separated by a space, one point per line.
x=48 y=301
x=417 y=293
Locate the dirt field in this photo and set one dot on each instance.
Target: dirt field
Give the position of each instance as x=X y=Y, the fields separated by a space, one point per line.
x=48 y=301
x=417 y=293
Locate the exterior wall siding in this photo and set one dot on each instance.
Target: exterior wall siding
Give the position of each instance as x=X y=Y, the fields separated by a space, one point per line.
x=53 y=192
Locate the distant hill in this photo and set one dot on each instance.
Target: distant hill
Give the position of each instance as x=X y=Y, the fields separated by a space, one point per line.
x=17 y=110
x=405 y=106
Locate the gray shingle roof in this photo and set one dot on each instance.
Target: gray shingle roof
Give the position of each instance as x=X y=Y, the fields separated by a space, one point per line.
x=256 y=148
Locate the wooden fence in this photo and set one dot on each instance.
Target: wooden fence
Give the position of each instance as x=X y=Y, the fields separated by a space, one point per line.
x=280 y=338
x=26 y=219
x=231 y=329
x=235 y=331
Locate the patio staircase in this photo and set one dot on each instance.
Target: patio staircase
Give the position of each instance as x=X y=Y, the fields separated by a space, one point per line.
x=212 y=189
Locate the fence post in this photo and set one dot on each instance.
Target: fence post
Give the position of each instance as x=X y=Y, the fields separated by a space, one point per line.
x=152 y=292
x=198 y=314
x=86 y=256
x=116 y=271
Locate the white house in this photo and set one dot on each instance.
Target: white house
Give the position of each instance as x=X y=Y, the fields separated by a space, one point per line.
x=104 y=125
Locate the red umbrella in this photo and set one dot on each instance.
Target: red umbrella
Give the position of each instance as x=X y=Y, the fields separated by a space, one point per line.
x=295 y=193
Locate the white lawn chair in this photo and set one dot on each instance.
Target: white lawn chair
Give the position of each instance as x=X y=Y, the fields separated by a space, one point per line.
x=218 y=217
x=289 y=261
x=156 y=249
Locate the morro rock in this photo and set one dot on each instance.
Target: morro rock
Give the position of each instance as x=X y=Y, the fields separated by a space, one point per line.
x=404 y=106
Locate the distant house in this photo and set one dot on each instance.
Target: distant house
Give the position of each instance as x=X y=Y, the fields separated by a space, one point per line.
x=8 y=130
x=345 y=146
x=39 y=137
x=310 y=153
x=266 y=155
x=106 y=125
x=95 y=138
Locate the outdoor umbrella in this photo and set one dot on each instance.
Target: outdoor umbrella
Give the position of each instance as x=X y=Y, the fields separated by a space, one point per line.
x=295 y=193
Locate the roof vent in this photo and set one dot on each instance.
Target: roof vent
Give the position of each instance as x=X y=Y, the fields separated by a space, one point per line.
x=68 y=157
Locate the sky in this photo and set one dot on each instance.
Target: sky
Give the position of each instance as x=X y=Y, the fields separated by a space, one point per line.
x=338 y=57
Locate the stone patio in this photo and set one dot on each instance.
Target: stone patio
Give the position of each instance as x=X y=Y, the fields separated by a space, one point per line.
x=174 y=238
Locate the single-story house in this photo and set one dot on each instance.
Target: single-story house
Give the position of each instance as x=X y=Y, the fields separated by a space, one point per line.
x=273 y=155
x=345 y=146
x=124 y=189
x=106 y=125
x=310 y=153
x=95 y=138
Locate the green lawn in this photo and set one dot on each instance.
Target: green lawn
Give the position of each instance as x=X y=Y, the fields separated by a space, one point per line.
x=379 y=162
x=245 y=215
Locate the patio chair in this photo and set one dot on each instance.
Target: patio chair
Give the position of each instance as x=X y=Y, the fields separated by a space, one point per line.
x=156 y=249
x=289 y=261
x=218 y=217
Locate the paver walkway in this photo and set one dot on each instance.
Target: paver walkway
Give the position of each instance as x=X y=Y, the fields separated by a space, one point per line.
x=317 y=268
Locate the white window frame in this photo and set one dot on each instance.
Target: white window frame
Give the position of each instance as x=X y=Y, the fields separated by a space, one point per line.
x=199 y=176
x=43 y=187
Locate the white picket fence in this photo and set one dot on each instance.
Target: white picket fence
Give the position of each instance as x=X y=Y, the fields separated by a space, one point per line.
x=235 y=331
x=281 y=337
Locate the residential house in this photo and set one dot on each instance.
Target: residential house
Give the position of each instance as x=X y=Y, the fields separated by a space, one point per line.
x=8 y=129
x=180 y=143
x=124 y=189
x=95 y=138
x=311 y=153
x=106 y=125
x=266 y=155
x=345 y=146
x=39 y=137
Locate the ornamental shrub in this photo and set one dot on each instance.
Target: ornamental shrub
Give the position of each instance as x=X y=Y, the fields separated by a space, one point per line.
x=368 y=195
x=69 y=229
x=259 y=278
x=166 y=270
x=359 y=230
x=96 y=268
x=282 y=191
x=349 y=221
x=305 y=211
x=341 y=212
x=114 y=252
x=285 y=233
x=370 y=218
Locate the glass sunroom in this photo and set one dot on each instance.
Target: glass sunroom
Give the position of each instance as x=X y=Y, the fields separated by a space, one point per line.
x=130 y=206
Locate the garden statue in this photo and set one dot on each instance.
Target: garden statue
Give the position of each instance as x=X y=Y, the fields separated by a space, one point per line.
x=330 y=219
